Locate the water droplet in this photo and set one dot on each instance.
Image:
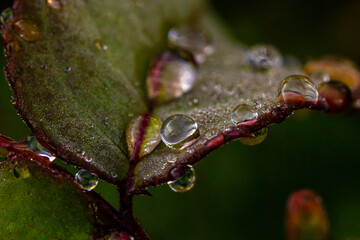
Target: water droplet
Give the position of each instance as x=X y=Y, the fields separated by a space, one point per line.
x=257 y=137
x=86 y=180
x=27 y=30
x=243 y=113
x=336 y=95
x=21 y=172
x=121 y=236
x=194 y=40
x=88 y=159
x=113 y=174
x=297 y=88
x=173 y=74
x=179 y=131
x=56 y=4
x=67 y=69
x=151 y=137
x=184 y=178
x=264 y=57
x=99 y=44
x=36 y=147
x=5 y=15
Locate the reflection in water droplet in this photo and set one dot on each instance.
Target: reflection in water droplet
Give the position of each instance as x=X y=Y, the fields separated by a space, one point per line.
x=56 y=4
x=194 y=40
x=336 y=95
x=264 y=57
x=21 y=172
x=27 y=30
x=258 y=137
x=36 y=147
x=184 y=179
x=86 y=180
x=5 y=15
x=298 y=88
x=67 y=69
x=99 y=44
x=179 y=131
x=151 y=137
x=173 y=74
x=120 y=236
x=243 y=113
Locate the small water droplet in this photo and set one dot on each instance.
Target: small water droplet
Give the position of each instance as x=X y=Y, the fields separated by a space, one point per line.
x=121 y=236
x=5 y=15
x=336 y=95
x=243 y=113
x=13 y=99
x=67 y=69
x=172 y=74
x=264 y=57
x=179 y=131
x=113 y=174
x=88 y=159
x=36 y=147
x=184 y=178
x=27 y=30
x=298 y=88
x=151 y=137
x=257 y=137
x=99 y=44
x=194 y=40
x=21 y=172
x=86 y=180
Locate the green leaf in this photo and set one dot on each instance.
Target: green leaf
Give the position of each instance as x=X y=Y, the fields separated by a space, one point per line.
x=40 y=203
x=82 y=112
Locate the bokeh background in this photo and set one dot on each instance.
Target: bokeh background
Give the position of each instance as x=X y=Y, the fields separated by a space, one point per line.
x=241 y=191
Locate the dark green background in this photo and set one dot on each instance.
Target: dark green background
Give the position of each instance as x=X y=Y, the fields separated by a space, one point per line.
x=241 y=191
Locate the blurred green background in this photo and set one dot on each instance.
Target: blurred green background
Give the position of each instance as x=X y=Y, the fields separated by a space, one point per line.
x=241 y=191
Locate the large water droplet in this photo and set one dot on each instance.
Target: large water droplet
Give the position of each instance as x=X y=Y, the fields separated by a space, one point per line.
x=36 y=147
x=264 y=57
x=56 y=4
x=21 y=172
x=151 y=137
x=5 y=15
x=297 y=88
x=257 y=137
x=179 y=131
x=86 y=180
x=195 y=40
x=243 y=113
x=336 y=95
x=27 y=30
x=173 y=74
x=184 y=178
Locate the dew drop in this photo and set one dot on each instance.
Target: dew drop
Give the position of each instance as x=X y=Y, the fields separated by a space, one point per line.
x=5 y=15
x=264 y=57
x=179 y=131
x=13 y=99
x=257 y=137
x=336 y=95
x=184 y=178
x=151 y=137
x=113 y=174
x=21 y=172
x=36 y=147
x=27 y=30
x=86 y=180
x=192 y=39
x=243 y=113
x=67 y=69
x=121 y=236
x=297 y=88
x=56 y=4
x=172 y=74
x=99 y=44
